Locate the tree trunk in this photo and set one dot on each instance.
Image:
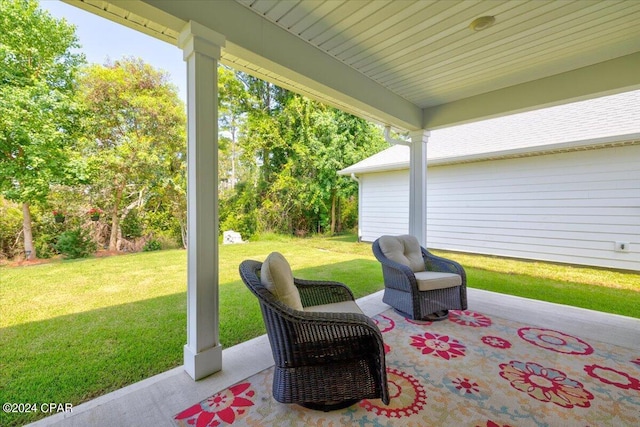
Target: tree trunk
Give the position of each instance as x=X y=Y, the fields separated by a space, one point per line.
x=183 y=232
x=115 y=221
x=233 y=154
x=333 y=213
x=113 y=237
x=339 y=215
x=29 y=249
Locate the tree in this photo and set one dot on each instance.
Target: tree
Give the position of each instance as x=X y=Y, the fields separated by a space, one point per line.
x=300 y=145
x=344 y=140
x=134 y=136
x=232 y=107
x=37 y=109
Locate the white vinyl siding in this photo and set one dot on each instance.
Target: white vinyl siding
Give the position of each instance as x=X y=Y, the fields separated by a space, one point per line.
x=385 y=204
x=567 y=207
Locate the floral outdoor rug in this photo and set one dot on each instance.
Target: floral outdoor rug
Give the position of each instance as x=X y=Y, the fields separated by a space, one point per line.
x=469 y=370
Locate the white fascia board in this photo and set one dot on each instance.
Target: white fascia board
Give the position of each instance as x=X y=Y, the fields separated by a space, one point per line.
x=132 y=14
x=264 y=44
x=376 y=168
x=605 y=78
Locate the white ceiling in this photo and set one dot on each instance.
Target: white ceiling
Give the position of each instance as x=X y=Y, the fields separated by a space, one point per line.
x=426 y=52
x=415 y=64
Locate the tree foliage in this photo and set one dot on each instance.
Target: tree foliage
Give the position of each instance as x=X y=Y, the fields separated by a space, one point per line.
x=291 y=149
x=38 y=114
x=279 y=154
x=232 y=108
x=134 y=136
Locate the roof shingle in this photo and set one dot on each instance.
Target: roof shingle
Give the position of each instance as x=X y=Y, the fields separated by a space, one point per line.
x=585 y=123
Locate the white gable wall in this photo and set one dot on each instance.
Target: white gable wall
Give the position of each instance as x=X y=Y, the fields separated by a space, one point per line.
x=385 y=204
x=567 y=207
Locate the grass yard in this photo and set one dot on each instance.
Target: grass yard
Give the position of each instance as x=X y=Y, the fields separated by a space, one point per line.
x=74 y=330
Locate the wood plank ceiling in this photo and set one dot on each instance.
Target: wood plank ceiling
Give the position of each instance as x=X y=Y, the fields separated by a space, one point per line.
x=426 y=52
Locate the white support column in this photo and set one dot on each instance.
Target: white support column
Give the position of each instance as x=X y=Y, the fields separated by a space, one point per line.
x=418 y=186
x=203 y=352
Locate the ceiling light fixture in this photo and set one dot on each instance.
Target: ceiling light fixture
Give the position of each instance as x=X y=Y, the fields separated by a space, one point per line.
x=482 y=23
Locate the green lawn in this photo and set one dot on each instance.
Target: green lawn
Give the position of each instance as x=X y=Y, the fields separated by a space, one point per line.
x=74 y=330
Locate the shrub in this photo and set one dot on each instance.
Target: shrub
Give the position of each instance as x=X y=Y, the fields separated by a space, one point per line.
x=76 y=243
x=245 y=224
x=238 y=211
x=168 y=240
x=348 y=219
x=131 y=226
x=10 y=229
x=165 y=228
x=151 y=245
x=45 y=245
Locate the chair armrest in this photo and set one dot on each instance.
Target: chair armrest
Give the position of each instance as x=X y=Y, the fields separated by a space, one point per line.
x=386 y=262
x=342 y=335
x=316 y=292
x=314 y=326
x=445 y=265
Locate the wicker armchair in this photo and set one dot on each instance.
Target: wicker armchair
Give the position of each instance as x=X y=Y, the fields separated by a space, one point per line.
x=418 y=284
x=323 y=360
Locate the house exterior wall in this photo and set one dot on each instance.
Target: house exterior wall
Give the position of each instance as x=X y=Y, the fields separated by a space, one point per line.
x=566 y=207
x=384 y=204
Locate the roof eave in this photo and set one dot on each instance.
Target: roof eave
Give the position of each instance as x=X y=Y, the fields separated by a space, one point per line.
x=373 y=169
x=590 y=144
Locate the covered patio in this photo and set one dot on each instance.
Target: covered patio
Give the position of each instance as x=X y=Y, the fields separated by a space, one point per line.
x=411 y=66
x=157 y=400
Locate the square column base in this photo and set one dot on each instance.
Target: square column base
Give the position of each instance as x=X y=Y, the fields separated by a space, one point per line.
x=202 y=364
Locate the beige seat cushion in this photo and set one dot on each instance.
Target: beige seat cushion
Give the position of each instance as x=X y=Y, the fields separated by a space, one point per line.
x=430 y=280
x=276 y=276
x=403 y=249
x=336 y=307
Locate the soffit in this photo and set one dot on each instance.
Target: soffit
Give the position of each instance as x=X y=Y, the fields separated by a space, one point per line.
x=425 y=51
x=134 y=15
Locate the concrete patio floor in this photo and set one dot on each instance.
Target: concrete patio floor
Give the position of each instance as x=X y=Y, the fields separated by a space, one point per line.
x=156 y=400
